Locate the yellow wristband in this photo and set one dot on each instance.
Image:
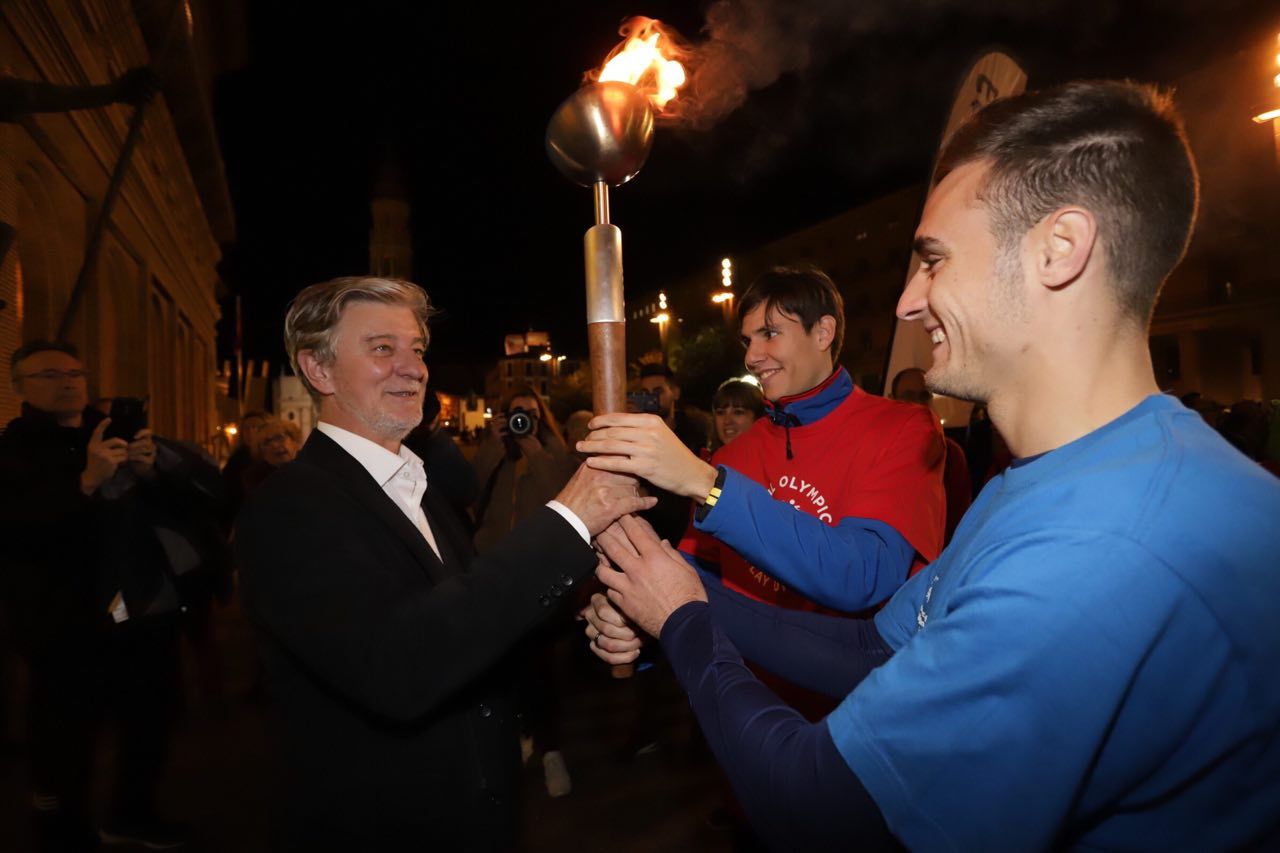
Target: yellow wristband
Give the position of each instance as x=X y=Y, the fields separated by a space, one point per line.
x=713 y=496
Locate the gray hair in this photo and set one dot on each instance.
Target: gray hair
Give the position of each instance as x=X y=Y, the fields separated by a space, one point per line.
x=312 y=320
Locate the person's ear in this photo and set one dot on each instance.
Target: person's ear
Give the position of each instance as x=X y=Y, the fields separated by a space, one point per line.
x=1063 y=246
x=319 y=374
x=825 y=329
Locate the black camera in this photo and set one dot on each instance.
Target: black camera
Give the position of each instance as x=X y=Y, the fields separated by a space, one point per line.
x=521 y=422
x=128 y=418
x=646 y=402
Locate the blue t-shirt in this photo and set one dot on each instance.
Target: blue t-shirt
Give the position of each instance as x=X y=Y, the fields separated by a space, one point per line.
x=1094 y=661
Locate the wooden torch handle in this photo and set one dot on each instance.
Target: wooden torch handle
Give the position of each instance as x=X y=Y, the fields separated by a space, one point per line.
x=608 y=347
x=607 y=343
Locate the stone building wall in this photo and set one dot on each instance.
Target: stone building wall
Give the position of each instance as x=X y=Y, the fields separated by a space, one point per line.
x=145 y=325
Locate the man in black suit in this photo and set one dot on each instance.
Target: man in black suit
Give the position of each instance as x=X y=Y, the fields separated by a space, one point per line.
x=383 y=636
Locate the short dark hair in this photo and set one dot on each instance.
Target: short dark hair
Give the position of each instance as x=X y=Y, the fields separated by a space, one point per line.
x=1116 y=147
x=903 y=374
x=31 y=348
x=736 y=392
x=807 y=294
x=658 y=369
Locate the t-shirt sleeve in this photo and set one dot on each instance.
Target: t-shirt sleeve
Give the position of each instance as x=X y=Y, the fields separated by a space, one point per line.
x=897 y=620
x=1011 y=690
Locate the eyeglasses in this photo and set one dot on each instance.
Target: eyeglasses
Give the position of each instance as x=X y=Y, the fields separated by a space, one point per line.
x=54 y=375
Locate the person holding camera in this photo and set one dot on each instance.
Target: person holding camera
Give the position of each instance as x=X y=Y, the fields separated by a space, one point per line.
x=522 y=462
x=91 y=604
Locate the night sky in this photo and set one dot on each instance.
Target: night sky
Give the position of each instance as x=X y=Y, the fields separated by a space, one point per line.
x=460 y=94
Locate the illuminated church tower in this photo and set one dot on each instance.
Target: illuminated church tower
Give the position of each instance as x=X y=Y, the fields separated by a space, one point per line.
x=390 y=248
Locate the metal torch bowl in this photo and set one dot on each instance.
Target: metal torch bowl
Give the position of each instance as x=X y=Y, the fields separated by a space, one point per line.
x=603 y=132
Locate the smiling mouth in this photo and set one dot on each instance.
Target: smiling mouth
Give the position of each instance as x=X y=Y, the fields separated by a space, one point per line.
x=403 y=394
x=938 y=336
x=765 y=374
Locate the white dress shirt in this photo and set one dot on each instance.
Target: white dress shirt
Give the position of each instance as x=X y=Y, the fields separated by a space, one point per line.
x=402 y=476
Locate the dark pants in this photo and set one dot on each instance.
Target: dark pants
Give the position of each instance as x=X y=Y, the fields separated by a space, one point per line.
x=127 y=675
x=538 y=687
x=62 y=714
x=145 y=696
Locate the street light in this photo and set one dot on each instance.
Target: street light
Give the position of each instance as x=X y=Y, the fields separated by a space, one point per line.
x=1271 y=111
x=724 y=296
x=662 y=318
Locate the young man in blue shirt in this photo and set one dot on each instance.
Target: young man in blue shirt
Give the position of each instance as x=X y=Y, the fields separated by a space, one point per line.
x=1091 y=662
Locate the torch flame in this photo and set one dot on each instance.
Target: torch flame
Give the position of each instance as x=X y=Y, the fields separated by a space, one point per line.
x=648 y=59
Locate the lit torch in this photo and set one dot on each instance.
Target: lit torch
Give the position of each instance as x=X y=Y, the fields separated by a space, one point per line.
x=600 y=137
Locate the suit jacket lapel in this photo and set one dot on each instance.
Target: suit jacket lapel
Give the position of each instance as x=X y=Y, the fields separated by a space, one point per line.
x=324 y=452
x=451 y=537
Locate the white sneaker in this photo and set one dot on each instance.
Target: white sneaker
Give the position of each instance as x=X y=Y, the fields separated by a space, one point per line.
x=556 y=774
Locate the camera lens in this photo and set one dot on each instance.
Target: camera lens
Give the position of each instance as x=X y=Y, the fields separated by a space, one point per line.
x=519 y=423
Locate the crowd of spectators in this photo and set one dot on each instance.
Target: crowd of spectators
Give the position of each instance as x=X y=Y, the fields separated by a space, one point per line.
x=1050 y=633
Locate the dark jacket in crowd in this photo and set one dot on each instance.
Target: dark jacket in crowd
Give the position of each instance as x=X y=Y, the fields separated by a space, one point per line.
x=514 y=484
x=68 y=555
x=448 y=470
x=51 y=533
x=233 y=488
x=385 y=663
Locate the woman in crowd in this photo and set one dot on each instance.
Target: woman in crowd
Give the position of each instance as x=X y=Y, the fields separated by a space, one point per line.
x=734 y=408
x=274 y=443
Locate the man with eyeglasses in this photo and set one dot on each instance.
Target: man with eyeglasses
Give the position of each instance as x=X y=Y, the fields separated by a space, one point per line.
x=92 y=602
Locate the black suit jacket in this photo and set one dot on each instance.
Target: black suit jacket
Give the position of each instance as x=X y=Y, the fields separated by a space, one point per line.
x=385 y=663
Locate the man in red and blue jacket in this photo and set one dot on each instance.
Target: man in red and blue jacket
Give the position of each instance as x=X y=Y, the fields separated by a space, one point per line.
x=836 y=489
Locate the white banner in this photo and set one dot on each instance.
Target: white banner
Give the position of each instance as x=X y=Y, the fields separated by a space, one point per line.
x=993 y=76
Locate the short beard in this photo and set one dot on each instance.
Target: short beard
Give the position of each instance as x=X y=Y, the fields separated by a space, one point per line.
x=389 y=428
x=386 y=427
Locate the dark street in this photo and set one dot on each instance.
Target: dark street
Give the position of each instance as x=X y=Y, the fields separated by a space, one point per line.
x=221 y=776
